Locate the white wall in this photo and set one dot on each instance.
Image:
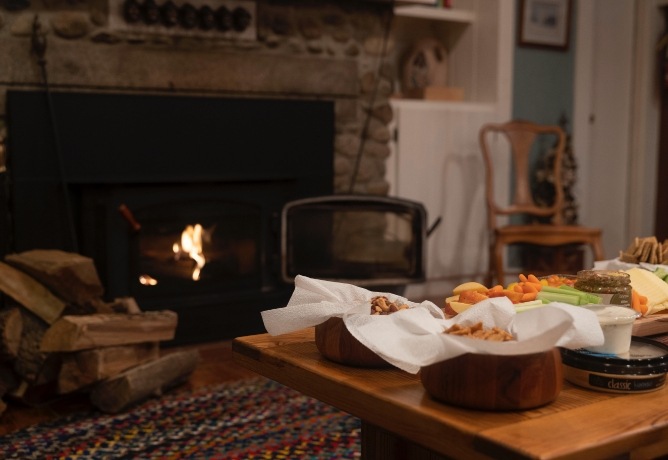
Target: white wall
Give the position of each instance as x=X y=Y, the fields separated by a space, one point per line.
x=615 y=187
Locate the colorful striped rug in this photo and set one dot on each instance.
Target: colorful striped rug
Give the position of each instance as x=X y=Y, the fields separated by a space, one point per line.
x=248 y=419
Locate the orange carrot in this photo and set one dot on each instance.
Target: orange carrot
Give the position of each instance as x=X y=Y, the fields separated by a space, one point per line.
x=635 y=301
x=639 y=302
x=529 y=296
x=530 y=287
x=533 y=279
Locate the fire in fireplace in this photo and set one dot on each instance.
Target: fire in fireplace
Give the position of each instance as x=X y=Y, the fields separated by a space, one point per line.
x=177 y=199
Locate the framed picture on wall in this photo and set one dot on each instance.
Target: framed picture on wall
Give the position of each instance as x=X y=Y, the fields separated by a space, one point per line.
x=545 y=24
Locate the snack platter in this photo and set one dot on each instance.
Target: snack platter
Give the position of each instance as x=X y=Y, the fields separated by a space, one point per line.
x=364 y=329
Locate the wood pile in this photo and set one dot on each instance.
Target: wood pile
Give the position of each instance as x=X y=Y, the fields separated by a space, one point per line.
x=58 y=336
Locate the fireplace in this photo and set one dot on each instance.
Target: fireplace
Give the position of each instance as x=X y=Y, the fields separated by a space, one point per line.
x=177 y=199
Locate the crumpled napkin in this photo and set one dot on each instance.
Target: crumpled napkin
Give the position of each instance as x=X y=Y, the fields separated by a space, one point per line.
x=412 y=338
x=315 y=301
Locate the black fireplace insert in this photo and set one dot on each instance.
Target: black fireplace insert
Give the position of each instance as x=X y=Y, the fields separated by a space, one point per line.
x=177 y=199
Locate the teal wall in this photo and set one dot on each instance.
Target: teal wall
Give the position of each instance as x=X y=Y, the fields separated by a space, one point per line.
x=543 y=81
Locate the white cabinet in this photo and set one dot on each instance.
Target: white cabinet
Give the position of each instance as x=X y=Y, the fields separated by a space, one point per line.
x=478 y=35
x=436 y=158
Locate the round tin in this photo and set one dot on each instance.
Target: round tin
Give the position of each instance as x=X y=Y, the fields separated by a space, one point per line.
x=642 y=369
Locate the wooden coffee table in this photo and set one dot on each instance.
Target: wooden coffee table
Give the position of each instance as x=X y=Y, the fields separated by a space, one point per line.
x=401 y=421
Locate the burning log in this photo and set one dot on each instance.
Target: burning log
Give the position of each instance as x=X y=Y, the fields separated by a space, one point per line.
x=124 y=390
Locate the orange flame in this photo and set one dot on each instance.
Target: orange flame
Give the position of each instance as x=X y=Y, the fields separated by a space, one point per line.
x=191 y=244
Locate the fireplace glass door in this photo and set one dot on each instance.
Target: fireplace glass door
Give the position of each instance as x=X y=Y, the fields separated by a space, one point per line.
x=196 y=247
x=364 y=240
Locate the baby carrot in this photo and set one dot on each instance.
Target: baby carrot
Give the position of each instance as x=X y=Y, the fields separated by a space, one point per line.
x=532 y=279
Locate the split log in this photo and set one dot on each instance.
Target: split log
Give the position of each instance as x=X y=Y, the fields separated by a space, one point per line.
x=8 y=380
x=72 y=333
x=70 y=276
x=124 y=305
x=30 y=361
x=11 y=328
x=30 y=294
x=133 y=386
x=82 y=368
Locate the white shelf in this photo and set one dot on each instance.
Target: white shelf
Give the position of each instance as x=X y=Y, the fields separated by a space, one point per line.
x=435 y=13
x=431 y=104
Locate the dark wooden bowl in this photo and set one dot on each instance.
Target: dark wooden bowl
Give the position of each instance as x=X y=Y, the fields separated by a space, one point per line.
x=337 y=344
x=494 y=382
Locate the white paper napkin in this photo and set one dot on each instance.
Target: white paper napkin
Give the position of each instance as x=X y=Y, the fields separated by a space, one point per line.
x=315 y=301
x=616 y=264
x=412 y=338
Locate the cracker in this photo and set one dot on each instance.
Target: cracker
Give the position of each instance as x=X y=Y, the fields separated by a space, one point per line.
x=627 y=257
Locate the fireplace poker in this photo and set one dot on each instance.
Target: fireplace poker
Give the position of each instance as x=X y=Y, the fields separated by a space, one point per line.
x=38 y=48
x=129 y=217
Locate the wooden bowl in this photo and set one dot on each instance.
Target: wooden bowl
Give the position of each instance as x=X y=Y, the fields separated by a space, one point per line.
x=494 y=382
x=337 y=344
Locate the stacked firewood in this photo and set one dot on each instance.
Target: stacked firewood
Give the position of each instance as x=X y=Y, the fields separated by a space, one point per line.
x=58 y=336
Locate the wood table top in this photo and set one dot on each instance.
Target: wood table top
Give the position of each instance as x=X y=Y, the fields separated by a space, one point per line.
x=581 y=423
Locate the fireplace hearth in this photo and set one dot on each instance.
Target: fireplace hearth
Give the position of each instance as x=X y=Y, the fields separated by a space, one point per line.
x=177 y=199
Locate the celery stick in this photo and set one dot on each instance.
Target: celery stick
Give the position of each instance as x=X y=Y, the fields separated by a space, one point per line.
x=583 y=297
x=562 y=297
x=524 y=306
x=587 y=297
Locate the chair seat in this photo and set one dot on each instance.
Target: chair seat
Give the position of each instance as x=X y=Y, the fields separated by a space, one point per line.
x=546 y=235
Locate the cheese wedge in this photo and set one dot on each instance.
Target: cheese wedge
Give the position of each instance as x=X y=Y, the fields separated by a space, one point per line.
x=651 y=286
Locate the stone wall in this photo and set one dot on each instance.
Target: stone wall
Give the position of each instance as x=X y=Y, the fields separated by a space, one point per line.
x=322 y=49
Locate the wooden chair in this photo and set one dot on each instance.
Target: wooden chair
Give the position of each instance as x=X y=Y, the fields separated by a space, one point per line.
x=521 y=136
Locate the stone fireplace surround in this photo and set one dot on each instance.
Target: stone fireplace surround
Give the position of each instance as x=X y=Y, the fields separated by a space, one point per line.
x=313 y=50
x=316 y=49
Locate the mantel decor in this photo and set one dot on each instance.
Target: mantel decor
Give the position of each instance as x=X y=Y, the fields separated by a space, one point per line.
x=545 y=24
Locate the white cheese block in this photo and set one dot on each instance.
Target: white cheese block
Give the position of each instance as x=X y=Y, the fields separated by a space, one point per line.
x=651 y=286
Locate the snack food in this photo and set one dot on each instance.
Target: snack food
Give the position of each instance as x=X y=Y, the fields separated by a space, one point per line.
x=647 y=249
x=478 y=331
x=381 y=305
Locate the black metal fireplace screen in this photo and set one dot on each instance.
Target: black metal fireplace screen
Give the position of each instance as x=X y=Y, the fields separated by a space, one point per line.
x=364 y=240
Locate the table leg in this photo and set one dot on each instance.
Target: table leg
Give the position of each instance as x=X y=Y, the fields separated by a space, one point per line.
x=380 y=444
